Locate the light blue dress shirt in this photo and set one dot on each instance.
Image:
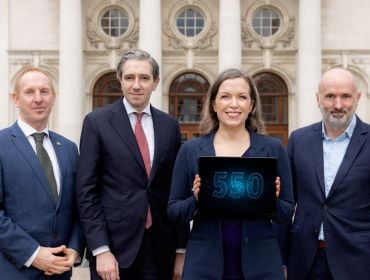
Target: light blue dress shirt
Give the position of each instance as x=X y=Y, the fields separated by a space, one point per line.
x=334 y=150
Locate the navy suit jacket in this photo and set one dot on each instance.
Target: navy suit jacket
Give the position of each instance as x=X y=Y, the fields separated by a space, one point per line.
x=345 y=212
x=261 y=256
x=114 y=191
x=29 y=215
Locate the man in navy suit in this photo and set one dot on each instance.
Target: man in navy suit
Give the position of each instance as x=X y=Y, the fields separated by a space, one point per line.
x=330 y=160
x=39 y=233
x=122 y=192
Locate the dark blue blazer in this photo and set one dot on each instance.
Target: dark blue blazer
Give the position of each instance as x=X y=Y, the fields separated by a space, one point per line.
x=345 y=212
x=29 y=215
x=261 y=257
x=114 y=191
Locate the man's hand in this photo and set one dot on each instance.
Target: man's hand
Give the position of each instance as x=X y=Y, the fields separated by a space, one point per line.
x=107 y=266
x=71 y=255
x=178 y=267
x=47 y=259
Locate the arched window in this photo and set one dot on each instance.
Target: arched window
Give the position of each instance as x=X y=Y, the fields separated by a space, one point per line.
x=107 y=90
x=274 y=99
x=187 y=96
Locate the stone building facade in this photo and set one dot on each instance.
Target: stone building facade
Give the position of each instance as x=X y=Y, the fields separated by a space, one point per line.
x=284 y=45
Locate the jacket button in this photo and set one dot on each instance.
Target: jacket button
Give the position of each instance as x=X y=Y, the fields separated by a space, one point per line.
x=246 y=239
x=325 y=206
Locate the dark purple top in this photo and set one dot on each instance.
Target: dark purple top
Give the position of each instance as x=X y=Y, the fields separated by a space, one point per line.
x=232 y=246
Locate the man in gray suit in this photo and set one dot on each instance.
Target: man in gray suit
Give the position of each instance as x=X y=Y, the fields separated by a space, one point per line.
x=39 y=234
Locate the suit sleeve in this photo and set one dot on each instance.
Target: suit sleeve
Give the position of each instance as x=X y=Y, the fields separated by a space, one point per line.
x=285 y=202
x=87 y=187
x=283 y=230
x=77 y=240
x=183 y=230
x=182 y=204
x=15 y=244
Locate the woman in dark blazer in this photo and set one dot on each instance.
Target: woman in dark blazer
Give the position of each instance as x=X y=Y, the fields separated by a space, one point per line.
x=222 y=248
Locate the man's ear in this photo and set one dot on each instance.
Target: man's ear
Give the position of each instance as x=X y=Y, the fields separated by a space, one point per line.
x=318 y=99
x=156 y=83
x=15 y=98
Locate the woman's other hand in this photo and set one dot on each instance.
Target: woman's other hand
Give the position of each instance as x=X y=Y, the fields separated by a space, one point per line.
x=277 y=186
x=196 y=186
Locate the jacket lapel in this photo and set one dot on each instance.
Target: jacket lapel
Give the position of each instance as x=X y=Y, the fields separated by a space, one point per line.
x=160 y=140
x=354 y=147
x=121 y=124
x=316 y=155
x=206 y=147
x=62 y=157
x=24 y=147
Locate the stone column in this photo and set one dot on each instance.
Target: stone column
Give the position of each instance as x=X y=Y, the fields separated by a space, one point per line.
x=309 y=62
x=70 y=94
x=229 y=40
x=4 y=64
x=150 y=40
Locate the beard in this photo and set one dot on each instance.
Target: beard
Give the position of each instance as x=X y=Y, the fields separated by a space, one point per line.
x=335 y=123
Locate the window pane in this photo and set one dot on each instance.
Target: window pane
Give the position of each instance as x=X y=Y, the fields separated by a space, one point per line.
x=190 y=13
x=114 y=13
x=114 y=22
x=114 y=32
x=200 y=23
x=105 y=22
x=190 y=32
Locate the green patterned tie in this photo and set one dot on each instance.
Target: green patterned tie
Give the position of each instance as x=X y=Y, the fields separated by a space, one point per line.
x=45 y=162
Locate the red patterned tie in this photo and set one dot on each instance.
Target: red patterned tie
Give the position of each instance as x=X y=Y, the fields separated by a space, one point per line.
x=144 y=150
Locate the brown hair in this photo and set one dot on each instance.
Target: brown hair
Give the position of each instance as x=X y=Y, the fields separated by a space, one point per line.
x=209 y=122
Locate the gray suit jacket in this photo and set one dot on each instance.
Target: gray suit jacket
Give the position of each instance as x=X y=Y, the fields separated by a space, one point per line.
x=29 y=216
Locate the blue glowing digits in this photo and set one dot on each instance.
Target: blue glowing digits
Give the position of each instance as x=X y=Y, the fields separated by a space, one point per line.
x=236 y=185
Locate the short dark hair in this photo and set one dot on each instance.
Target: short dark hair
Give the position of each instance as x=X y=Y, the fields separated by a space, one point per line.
x=138 y=54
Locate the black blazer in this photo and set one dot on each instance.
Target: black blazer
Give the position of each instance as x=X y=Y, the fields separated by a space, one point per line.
x=113 y=190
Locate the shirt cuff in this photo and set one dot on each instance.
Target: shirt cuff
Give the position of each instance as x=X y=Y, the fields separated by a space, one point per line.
x=100 y=250
x=32 y=258
x=181 y=251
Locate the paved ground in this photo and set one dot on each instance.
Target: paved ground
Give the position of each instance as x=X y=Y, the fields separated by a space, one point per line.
x=81 y=273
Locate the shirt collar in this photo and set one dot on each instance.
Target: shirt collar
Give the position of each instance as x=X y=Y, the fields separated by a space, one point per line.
x=347 y=133
x=131 y=110
x=29 y=130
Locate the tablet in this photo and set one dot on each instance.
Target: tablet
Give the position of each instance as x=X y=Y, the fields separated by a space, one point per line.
x=237 y=187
